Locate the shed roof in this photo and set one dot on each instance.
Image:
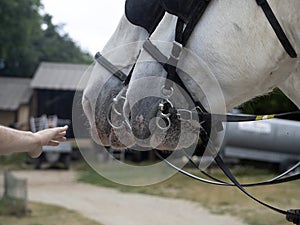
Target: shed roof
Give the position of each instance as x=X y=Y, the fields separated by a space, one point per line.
x=14 y=92
x=60 y=76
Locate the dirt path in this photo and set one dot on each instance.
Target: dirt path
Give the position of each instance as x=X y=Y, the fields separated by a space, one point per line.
x=111 y=207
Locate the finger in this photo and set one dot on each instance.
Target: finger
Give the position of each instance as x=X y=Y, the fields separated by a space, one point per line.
x=60 y=139
x=53 y=143
x=62 y=134
x=62 y=129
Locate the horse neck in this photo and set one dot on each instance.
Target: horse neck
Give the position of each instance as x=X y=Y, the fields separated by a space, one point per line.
x=241 y=50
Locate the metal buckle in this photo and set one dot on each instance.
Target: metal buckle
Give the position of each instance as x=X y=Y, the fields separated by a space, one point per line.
x=185 y=115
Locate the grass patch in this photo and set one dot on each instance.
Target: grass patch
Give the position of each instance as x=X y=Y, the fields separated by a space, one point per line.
x=14 y=207
x=15 y=161
x=219 y=200
x=41 y=214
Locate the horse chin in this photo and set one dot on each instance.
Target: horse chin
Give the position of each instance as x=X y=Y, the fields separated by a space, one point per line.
x=172 y=143
x=180 y=135
x=104 y=134
x=121 y=139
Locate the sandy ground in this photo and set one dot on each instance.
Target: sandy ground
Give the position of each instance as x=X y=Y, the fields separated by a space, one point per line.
x=111 y=207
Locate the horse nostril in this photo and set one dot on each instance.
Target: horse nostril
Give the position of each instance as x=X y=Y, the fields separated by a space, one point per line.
x=140 y=128
x=140 y=119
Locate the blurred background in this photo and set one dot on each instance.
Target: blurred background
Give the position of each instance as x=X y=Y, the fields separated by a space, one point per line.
x=45 y=48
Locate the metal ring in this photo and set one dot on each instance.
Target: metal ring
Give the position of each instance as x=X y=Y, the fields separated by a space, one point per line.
x=162 y=105
x=116 y=100
x=115 y=110
x=168 y=121
x=165 y=91
x=110 y=122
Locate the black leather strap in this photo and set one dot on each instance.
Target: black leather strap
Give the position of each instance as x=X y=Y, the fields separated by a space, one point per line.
x=110 y=67
x=291 y=215
x=228 y=173
x=276 y=180
x=196 y=16
x=277 y=28
x=181 y=8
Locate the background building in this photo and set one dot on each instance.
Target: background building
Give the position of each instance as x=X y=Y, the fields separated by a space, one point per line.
x=15 y=102
x=54 y=86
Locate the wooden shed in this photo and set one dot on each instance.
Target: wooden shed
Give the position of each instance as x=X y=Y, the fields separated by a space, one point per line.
x=55 y=85
x=15 y=101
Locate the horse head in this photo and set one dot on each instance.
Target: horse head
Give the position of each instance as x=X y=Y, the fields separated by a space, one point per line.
x=232 y=56
x=122 y=51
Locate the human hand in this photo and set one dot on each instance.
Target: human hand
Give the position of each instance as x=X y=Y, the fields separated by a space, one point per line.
x=48 y=137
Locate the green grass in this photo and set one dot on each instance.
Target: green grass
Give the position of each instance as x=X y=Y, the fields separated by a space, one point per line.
x=15 y=207
x=15 y=162
x=219 y=200
x=41 y=214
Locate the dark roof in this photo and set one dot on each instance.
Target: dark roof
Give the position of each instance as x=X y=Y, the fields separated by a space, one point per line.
x=60 y=76
x=14 y=92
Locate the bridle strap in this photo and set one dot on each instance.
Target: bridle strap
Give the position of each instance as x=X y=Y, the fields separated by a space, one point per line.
x=277 y=28
x=197 y=13
x=114 y=70
x=295 y=116
x=110 y=67
x=170 y=66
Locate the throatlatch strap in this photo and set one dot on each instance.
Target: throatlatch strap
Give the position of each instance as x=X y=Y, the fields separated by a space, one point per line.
x=197 y=14
x=277 y=28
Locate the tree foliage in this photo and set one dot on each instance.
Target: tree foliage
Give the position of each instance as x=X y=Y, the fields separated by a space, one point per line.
x=28 y=38
x=275 y=102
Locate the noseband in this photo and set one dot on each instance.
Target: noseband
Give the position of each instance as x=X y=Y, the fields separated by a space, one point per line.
x=188 y=18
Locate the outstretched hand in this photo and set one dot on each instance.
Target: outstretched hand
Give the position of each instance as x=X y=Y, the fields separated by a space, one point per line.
x=48 y=137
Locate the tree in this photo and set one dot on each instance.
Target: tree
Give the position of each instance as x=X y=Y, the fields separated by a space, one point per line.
x=275 y=102
x=57 y=47
x=24 y=44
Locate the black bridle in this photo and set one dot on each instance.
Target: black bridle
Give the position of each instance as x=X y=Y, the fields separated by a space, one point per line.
x=184 y=28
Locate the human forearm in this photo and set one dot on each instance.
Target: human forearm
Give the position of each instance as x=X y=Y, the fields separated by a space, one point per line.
x=12 y=140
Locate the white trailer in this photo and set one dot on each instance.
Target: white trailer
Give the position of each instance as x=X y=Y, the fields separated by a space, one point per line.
x=275 y=140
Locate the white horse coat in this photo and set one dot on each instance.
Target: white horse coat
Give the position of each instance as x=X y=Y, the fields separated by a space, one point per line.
x=239 y=47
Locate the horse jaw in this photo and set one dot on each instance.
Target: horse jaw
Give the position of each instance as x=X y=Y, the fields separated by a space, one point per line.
x=103 y=86
x=143 y=98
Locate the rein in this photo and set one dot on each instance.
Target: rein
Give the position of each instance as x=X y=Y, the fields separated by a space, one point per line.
x=170 y=65
x=183 y=31
x=277 y=28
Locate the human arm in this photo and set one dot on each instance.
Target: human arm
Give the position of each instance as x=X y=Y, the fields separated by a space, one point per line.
x=13 y=141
